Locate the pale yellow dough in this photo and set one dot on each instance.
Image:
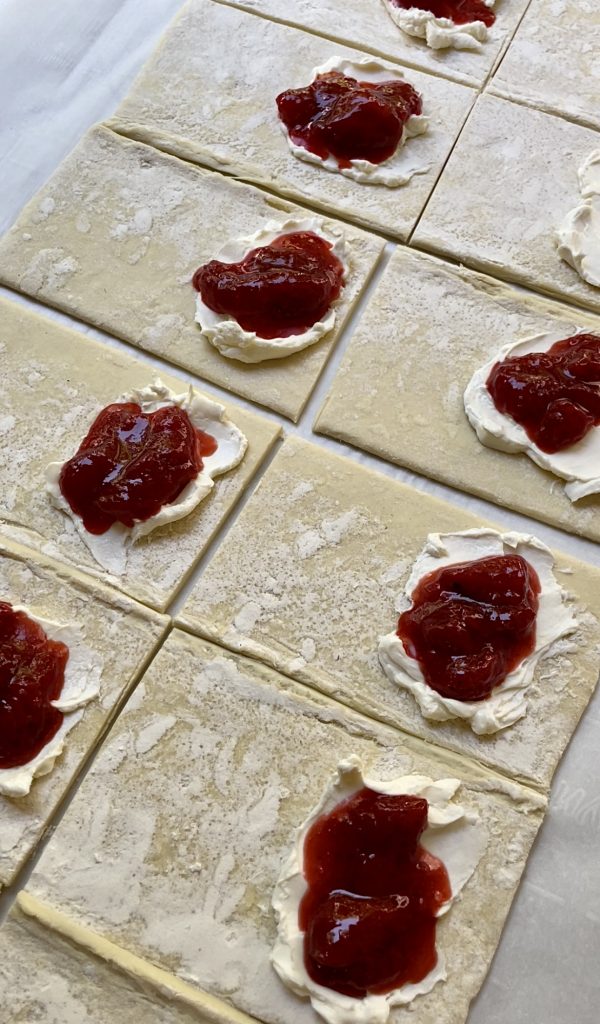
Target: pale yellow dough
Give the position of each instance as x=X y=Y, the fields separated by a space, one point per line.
x=122 y=633
x=428 y=327
x=308 y=578
x=509 y=183
x=57 y=382
x=173 y=844
x=115 y=237
x=552 y=62
x=211 y=101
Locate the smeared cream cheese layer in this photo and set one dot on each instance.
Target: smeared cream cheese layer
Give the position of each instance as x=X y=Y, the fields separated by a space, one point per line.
x=507 y=702
x=110 y=549
x=439 y=33
x=579 y=234
x=224 y=332
x=453 y=834
x=402 y=165
x=81 y=685
x=579 y=464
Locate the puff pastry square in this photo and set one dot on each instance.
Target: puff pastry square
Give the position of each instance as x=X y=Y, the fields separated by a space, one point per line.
x=307 y=580
x=81 y=376
x=121 y=632
x=206 y=100
x=115 y=237
x=427 y=328
x=511 y=180
x=172 y=846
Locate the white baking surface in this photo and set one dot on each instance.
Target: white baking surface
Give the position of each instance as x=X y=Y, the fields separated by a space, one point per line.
x=65 y=64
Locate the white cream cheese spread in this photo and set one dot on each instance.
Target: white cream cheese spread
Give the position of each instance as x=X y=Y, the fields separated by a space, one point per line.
x=399 y=168
x=508 y=702
x=579 y=464
x=224 y=332
x=439 y=33
x=453 y=834
x=110 y=549
x=81 y=685
x=579 y=234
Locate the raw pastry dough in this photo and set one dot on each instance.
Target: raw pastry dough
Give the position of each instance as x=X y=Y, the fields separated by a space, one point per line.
x=428 y=327
x=122 y=634
x=79 y=378
x=552 y=61
x=307 y=581
x=213 y=103
x=173 y=844
x=115 y=238
x=509 y=182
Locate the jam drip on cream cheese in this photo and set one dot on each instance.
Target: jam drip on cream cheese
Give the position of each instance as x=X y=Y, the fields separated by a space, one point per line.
x=32 y=672
x=341 y=117
x=369 y=912
x=461 y=12
x=131 y=463
x=277 y=290
x=553 y=395
x=471 y=624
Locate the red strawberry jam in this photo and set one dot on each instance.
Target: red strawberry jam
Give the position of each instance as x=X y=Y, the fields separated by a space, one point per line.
x=350 y=120
x=369 y=912
x=471 y=624
x=131 y=463
x=277 y=290
x=32 y=673
x=458 y=11
x=553 y=395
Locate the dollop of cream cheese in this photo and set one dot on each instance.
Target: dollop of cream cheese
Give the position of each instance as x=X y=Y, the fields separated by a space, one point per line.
x=579 y=464
x=453 y=834
x=508 y=702
x=81 y=685
x=439 y=33
x=110 y=549
x=578 y=236
x=224 y=332
x=402 y=165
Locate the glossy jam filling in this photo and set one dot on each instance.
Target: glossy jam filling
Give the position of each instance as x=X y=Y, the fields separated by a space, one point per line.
x=471 y=624
x=553 y=395
x=458 y=11
x=350 y=120
x=277 y=290
x=369 y=912
x=32 y=673
x=131 y=463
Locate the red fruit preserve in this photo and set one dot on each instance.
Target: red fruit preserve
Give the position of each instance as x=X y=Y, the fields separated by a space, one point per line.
x=350 y=120
x=369 y=912
x=32 y=673
x=277 y=290
x=131 y=463
x=553 y=395
x=458 y=11
x=471 y=624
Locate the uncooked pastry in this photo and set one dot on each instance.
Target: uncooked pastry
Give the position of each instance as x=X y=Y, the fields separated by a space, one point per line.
x=438 y=33
x=205 y=827
x=312 y=574
x=427 y=329
x=123 y=220
x=81 y=376
x=235 y=126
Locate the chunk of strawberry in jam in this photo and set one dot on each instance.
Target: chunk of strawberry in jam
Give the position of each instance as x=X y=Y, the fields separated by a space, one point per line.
x=32 y=672
x=132 y=463
x=471 y=624
x=277 y=290
x=553 y=395
x=373 y=894
x=350 y=120
x=458 y=11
